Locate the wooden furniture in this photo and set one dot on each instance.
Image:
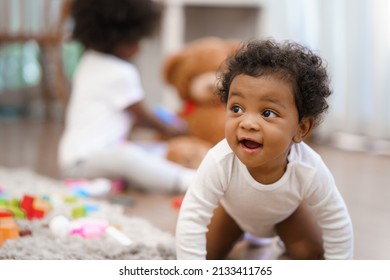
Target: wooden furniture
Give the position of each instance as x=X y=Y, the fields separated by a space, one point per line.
x=45 y=22
x=175 y=19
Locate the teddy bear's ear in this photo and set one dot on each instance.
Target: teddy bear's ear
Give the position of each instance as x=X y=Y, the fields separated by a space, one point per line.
x=171 y=64
x=176 y=74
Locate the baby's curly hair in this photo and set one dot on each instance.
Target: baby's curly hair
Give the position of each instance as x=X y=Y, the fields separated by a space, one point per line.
x=104 y=24
x=289 y=61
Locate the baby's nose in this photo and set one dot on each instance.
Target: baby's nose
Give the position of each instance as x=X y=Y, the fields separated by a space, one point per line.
x=250 y=123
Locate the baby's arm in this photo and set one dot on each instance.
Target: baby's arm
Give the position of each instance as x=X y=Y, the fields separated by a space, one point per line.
x=334 y=220
x=197 y=209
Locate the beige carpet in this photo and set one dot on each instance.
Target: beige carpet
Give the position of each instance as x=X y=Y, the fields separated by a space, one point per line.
x=148 y=241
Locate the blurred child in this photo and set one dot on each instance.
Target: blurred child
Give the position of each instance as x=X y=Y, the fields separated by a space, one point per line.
x=262 y=179
x=107 y=100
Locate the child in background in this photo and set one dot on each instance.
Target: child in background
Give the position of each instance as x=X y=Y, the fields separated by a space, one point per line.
x=262 y=179
x=106 y=100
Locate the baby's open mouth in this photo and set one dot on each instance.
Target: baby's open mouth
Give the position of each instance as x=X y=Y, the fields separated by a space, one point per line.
x=250 y=144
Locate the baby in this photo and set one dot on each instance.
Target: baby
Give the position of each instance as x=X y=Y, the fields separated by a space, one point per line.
x=262 y=179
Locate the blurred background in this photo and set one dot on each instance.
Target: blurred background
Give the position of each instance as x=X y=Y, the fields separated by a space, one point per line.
x=38 y=57
x=352 y=35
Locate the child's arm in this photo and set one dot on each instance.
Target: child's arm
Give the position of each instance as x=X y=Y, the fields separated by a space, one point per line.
x=197 y=209
x=334 y=220
x=147 y=118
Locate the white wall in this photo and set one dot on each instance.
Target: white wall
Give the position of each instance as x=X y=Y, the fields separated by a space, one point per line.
x=187 y=20
x=352 y=35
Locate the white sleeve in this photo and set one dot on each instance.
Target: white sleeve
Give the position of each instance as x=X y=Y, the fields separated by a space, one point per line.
x=197 y=209
x=333 y=218
x=126 y=89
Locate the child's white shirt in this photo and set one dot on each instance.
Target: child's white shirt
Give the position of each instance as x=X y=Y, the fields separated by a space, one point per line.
x=256 y=208
x=103 y=87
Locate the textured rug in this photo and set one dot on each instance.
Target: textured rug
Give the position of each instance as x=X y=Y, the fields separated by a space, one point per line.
x=42 y=244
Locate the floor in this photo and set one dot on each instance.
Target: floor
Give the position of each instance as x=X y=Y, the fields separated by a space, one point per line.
x=363 y=179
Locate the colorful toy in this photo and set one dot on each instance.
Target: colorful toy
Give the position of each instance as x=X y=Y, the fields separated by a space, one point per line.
x=87 y=228
x=78 y=212
x=95 y=187
x=5 y=213
x=29 y=207
x=9 y=228
x=34 y=207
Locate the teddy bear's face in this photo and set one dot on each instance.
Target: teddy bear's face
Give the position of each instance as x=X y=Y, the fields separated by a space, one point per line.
x=202 y=88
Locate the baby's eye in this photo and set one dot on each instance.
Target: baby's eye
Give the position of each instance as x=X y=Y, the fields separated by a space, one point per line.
x=236 y=109
x=269 y=114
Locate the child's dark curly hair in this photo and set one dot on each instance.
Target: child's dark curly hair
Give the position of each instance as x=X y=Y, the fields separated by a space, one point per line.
x=289 y=61
x=104 y=24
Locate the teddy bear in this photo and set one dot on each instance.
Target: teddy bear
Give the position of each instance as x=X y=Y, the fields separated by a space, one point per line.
x=192 y=72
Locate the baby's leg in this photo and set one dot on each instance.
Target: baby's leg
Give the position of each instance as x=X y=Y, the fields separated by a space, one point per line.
x=141 y=168
x=301 y=235
x=222 y=235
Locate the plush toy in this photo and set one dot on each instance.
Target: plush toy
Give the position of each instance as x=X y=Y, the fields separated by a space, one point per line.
x=192 y=72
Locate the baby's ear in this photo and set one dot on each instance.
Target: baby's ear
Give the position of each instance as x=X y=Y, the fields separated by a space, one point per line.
x=305 y=126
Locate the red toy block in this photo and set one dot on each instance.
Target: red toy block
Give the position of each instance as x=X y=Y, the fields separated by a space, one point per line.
x=38 y=214
x=27 y=205
x=5 y=213
x=34 y=207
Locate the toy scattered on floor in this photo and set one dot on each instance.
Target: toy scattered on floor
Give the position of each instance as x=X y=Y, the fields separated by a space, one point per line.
x=192 y=72
x=83 y=210
x=94 y=187
x=87 y=228
x=29 y=207
x=34 y=207
x=8 y=227
x=86 y=188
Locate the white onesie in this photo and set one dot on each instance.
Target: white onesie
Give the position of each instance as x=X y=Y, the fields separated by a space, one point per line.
x=256 y=208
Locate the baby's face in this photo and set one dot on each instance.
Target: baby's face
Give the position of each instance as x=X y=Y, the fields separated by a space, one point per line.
x=261 y=123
